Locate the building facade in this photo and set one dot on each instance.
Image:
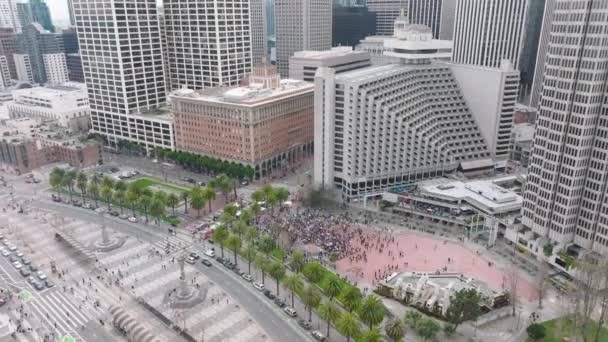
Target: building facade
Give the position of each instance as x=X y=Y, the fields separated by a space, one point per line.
x=529 y=50
x=74 y=63
x=488 y=31
x=539 y=71
x=126 y=91
x=304 y=64
x=301 y=25
x=35 y=11
x=350 y=24
x=565 y=200
x=266 y=125
x=23 y=67
x=259 y=39
x=205 y=49
x=436 y=14
x=46 y=54
x=386 y=13
x=9 y=18
x=8 y=47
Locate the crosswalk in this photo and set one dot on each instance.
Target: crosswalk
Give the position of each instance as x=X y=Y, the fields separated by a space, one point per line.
x=58 y=313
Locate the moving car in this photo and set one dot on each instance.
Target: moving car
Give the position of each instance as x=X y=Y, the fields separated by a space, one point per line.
x=191 y=260
x=247 y=277
x=210 y=253
x=206 y=262
x=318 y=335
x=258 y=286
x=194 y=255
x=290 y=311
x=304 y=324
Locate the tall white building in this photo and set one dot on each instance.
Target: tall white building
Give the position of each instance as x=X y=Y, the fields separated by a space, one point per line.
x=23 y=66
x=8 y=15
x=566 y=197
x=304 y=64
x=488 y=31
x=123 y=68
x=55 y=67
x=208 y=42
x=394 y=124
x=301 y=25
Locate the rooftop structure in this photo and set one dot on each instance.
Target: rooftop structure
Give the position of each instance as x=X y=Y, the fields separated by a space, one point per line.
x=264 y=124
x=303 y=64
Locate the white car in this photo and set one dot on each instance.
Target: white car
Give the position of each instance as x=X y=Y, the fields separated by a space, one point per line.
x=210 y=253
x=17 y=265
x=86 y=206
x=132 y=219
x=258 y=286
x=41 y=275
x=12 y=248
x=290 y=311
x=19 y=254
x=6 y=252
x=247 y=277
x=100 y=210
x=124 y=216
x=191 y=260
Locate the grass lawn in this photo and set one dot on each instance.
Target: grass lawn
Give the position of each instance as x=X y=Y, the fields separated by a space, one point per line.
x=145 y=182
x=559 y=328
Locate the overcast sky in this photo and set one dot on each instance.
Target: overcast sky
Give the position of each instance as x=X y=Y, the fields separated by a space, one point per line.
x=59 y=11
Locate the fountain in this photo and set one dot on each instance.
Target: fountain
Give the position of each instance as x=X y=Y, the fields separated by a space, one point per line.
x=185 y=295
x=108 y=242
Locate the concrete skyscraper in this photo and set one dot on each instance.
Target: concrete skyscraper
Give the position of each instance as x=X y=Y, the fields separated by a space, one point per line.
x=566 y=197
x=539 y=75
x=488 y=31
x=8 y=15
x=123 y=68
x=205 y=49
x=301 y=25
x=259 y=39
x=529 y=49
x=35 y=11
x=436 y=14
x=386 y=13
x=45 y=54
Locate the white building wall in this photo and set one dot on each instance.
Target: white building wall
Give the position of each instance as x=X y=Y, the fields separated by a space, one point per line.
x=8 y=15
x=5 y=73
x=56 y=68
x=23 y=67
x=491 y=94
x=488 y=31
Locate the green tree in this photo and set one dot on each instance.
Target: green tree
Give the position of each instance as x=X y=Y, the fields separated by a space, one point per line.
x=144 y=203
x=95 y=179
x=209 y=196
x=185 y=195
x=332 y=286
x=94 y=192
x=412 y=317
x=427 y=328
x=294 y=285
x=68 y=182
x=266 y=245
x=395 y=329
x=245 y=216
x=229 y=214
x=258 y=195
x=147 y=192
x=329 y=312
x=351 y=298
x=536 y=331
x=106 y=193
x=172 y=201
x=277 y=272
x=157 y=209
x=107 y=181
x=161 y=196
x=464 y=306
x=120 y=185
x=197 y=202
x=249 y=254
x=239 y=228
x=261 y=261
x=255 y=210
x=313 y=271
x=131 y=200
x=281 y=194
x=296 y=262
x=81 y=183
x=224 y=184
x=220 y=235
x=271 y=200
x=119 y=196
x=372 y=311
x=372 y=335
x=56 y=180
x=348 y=326
x=251 y=234
x=267 y=191
x=311 y=297
x=234 y=242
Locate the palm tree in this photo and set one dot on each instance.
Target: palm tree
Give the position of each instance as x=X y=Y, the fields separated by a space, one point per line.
x=351 y=298
x=120 y=185
x=332 y=286
x=131 y=200
x=249 y=254
x=395 y=329
x=258 y=195
x=412 y=317
x=245 y=216
x=311 y=297
x=255 y=210
x=106 y=192
x=294 y=285
x=94 y=191
x=372 y=335
x=81 y=183
x=348 y=326
x=119 y=196
x=261 y=261
x=68 y=182
x=277 y=271
x=239 y=228
x=234 y=242
x=208 y=195
x=313 y=271
x=56 y=180
x=224 y=184
x=197 y=202
x=184 y=196
x=281 y=194
x=172 y=201
x=161 y=196
x=147 y=192
x=229 y=214
x=266 y=244
x=329 y=312
x=144 y=203
x=296 y=262
x=132 y=187
x=271 y=200
x=107 y=181
x=220 y=235
x=267 y=191
x=95 y=179
x=157 y=209
x=251 y=234
x=372 y=311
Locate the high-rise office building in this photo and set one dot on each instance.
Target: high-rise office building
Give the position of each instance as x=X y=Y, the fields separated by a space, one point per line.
x=350 y=24
x=127 y=89
x=71 y=12
x=9 y=17
x=46 y=54
x=386 y=13
x=566 y=195
x=74 y=62
x=35 y=11
x=539 y=72
x=258 y=22
x=8 y=47
x=529 y=50
x=301 y=25
x=163 y=45
x=436 y=14
x=206 y=49
x=69 y=38
x=488 y=31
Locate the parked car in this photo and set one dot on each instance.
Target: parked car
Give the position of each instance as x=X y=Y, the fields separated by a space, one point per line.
x=17 y=265
x=132 y=219
x=258 y=286
x=25 y=273
x=244 y=183
x=19 y=254
x=201 y=183
x=33 y=268
x=49 y=283
x=123 y=216
x=76 y=203
x=290 y=311
x=191 y=260
x=114 y=169
x=279 y=302
x=25 y=261
x=269 y=294
x=39 y=286
x=12 y=258
x=86 y=206
x=318 y=335
x=31 y=279
x=41 y=275
x=247 y=277
x=206 y=262
x=12 y=248
x=195 y=256
x=114 y=213
x=6 y=253
x=304 y=324
x=100 y=210
x=210 y=253
x=56 y=198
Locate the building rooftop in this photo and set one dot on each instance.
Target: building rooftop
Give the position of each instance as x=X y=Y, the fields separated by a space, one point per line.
x=338 y=51
x=69 y=89
x=523 y=132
